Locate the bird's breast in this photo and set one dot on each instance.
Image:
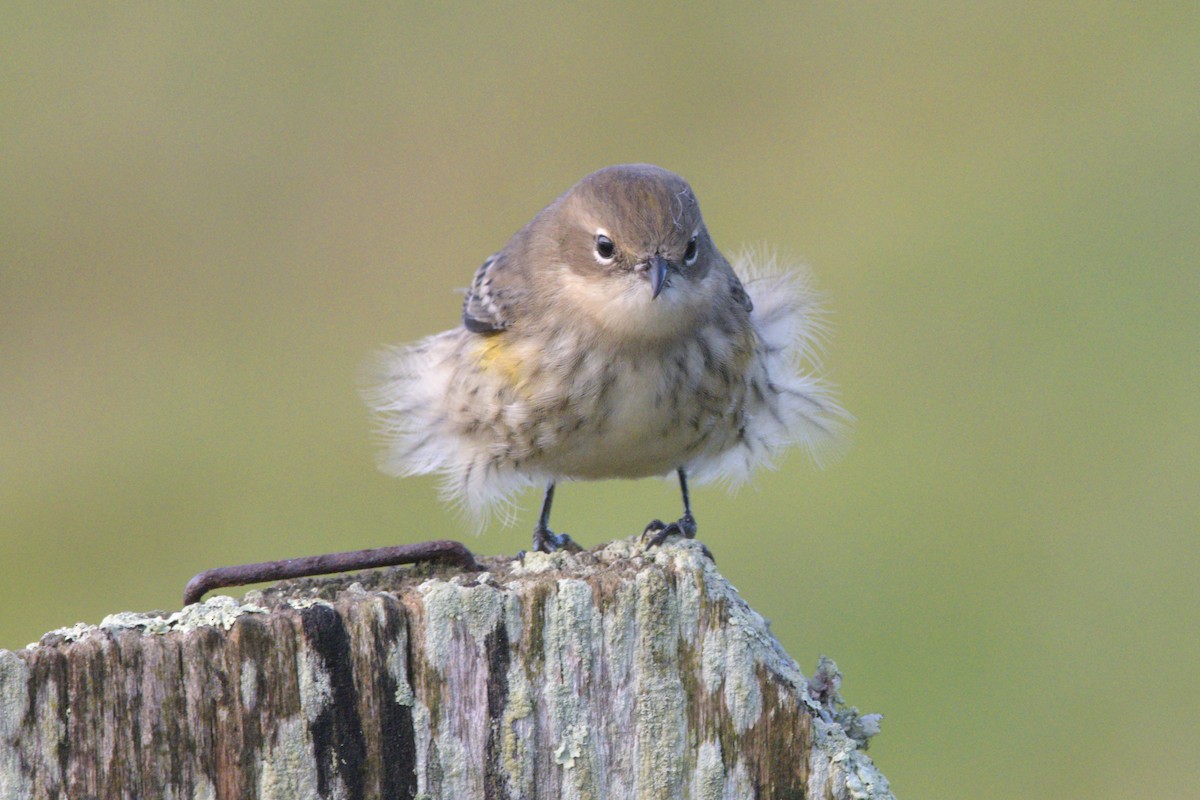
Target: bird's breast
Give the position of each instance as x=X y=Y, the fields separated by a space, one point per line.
x=634 y=413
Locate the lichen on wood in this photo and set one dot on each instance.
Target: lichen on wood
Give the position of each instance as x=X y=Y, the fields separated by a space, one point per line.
x=612 y=673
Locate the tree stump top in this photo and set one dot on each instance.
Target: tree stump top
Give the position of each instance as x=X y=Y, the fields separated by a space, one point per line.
x=610 y=673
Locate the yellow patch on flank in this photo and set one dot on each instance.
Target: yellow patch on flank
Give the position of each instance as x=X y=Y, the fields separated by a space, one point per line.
x=495 y=355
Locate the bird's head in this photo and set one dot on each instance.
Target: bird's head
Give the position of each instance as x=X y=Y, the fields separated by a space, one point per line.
x=631 y=250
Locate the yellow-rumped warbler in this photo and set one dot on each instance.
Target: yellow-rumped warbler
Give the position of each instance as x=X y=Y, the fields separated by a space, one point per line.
x=608 y=339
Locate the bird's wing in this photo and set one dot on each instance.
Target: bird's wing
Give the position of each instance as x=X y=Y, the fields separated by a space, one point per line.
x=740 y=294
x=484 y=307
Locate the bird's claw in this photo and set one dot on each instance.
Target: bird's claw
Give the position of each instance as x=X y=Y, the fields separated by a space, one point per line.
x=659 y=532
x=547 y=541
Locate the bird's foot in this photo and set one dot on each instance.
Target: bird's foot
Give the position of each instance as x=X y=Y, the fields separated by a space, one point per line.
x=547 y=541
x=658 y=531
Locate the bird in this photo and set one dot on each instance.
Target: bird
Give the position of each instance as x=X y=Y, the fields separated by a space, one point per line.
x=609 y=338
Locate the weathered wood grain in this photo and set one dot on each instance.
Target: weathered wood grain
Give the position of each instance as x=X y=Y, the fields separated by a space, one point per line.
x=605 y=674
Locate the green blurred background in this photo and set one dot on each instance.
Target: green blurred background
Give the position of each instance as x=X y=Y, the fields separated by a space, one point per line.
x=212 y=215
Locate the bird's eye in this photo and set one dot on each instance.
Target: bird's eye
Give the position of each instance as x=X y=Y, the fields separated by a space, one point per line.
x=689 y=255
x=605 y=249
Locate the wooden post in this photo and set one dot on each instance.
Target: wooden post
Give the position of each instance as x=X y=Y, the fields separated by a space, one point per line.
x=612 y=673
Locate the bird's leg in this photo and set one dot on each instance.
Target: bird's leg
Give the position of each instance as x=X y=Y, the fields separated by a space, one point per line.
x=685 y=526
x=546 y=540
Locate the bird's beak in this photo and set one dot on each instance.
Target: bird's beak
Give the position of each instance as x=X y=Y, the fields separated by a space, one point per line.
x=657 y=267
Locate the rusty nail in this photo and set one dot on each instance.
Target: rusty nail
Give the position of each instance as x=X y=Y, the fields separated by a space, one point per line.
x=440 y=550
